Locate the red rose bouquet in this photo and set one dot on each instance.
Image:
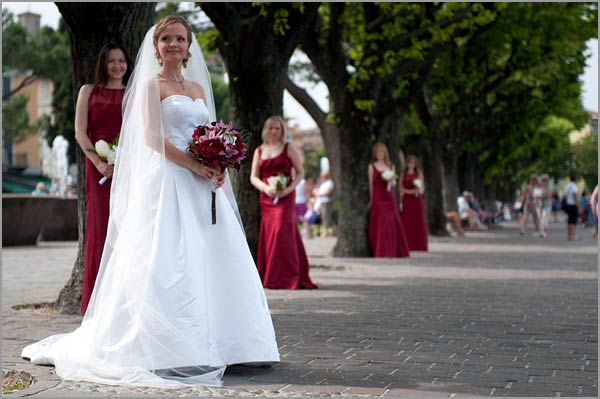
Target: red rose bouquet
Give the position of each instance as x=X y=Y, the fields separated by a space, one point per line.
x=219 y=146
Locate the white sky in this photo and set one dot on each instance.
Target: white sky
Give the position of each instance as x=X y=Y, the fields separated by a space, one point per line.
x=50 y=16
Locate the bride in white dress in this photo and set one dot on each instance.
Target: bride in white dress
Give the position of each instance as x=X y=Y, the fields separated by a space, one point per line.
x=177 y=299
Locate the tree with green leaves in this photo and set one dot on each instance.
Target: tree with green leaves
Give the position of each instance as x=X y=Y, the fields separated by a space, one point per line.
x=585 y=160
x=42 y=55
x=487 y=104
x=373 y=57
x=15 y=121
x=544 y=81
x=38 y=56
x=256 y=42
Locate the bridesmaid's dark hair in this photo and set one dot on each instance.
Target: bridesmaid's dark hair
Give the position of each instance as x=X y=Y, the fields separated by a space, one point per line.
x=101 y=73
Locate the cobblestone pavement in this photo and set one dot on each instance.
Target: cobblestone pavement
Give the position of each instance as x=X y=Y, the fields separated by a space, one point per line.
x=490 y=314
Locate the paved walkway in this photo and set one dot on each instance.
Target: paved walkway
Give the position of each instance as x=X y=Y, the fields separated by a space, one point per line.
x=493 y=313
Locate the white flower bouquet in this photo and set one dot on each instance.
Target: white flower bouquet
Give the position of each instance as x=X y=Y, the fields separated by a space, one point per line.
x=418 y=184
x=278 y=183
x=107 y=152
x=389 y=176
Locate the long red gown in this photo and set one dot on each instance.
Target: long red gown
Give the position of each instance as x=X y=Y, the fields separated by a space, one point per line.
x=386 y=234
x=104 y=122
x=413 y=216
x=282 y=261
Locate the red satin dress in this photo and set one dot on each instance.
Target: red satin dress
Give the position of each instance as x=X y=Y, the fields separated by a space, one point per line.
x=413 y=216
x=104 y=122
x=386 y=234
x=282 y=261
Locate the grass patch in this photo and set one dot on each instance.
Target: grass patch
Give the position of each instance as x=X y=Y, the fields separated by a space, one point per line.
x=45 y=308
x=15 y=380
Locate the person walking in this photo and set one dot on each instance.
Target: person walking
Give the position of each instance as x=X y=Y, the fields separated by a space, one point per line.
x=572 y=210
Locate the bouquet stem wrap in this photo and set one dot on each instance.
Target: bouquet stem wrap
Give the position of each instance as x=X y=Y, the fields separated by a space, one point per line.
x=213 y=207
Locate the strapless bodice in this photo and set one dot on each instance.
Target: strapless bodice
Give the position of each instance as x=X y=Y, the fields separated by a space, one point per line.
x=181 y=115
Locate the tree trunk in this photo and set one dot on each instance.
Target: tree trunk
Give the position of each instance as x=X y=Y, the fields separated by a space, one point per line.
x=451 y=186
x=345 y=147
x=257 y=61
x=387 y=114
x=468 y=172
x=353 y=217
x=434 y=195
x=90 y=26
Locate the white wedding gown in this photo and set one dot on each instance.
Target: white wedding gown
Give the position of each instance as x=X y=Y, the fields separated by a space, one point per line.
x=198 y=308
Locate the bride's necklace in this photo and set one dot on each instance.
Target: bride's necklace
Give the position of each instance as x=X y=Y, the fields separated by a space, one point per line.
x=179 y=82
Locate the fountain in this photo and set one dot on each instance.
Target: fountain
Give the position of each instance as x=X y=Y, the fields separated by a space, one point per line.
x=60 y=166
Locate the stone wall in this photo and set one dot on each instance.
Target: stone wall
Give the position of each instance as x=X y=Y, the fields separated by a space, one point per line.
x=27 y=219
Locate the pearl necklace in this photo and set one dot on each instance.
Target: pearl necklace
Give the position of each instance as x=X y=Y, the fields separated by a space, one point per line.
x=179 y=82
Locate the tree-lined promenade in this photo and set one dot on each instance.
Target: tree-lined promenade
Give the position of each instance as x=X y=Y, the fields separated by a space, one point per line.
x=484 y=93
x=492 y=313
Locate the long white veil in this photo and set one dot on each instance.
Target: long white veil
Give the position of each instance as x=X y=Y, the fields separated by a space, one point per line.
x=174 y=302
x=121 y=298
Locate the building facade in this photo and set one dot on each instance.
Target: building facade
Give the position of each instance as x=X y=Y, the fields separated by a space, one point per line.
x=26 y=154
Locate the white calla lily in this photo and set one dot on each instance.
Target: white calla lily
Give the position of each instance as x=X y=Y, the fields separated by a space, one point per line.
x=102 y=148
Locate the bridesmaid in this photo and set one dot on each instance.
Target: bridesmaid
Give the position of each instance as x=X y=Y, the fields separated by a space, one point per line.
x=413 y=209
x=282 y=262
x=386 y=234
x=98 y=117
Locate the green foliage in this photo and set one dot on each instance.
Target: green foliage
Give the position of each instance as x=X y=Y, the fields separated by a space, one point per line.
x=208 y=39
x=221 y=95
x=46 y=55
x=553 y=137
x=15 y=119
x=312 y=163
x=585 y=160
x=174 y=8
x=411 y=127
x=510 y=94
x=42 y=54
x=280 y=15
x=63 y=104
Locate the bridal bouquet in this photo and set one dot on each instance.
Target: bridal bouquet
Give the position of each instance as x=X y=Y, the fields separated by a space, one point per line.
x=107 y=152
x=219 y=146
x=418 y=184
x=389 y=176
x=278 y=183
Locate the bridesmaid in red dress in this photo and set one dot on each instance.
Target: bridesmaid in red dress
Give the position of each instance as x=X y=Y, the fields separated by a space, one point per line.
x=98 y=117
x=386 y=234
x=413 y=209
x=282 y=262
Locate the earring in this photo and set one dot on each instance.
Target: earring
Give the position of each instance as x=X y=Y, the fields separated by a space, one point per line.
x=158 y=58
x=186 y=59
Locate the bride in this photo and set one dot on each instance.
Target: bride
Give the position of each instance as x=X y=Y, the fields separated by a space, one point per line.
x=177 y=298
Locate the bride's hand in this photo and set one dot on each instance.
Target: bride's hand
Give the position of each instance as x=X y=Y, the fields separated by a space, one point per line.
x=204 y=171
x=220 y=180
